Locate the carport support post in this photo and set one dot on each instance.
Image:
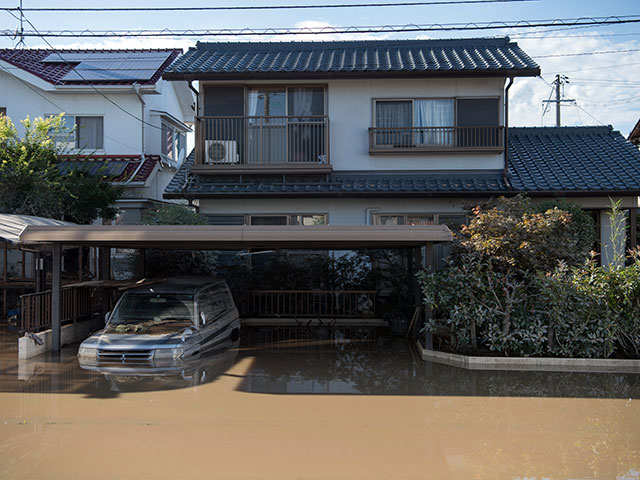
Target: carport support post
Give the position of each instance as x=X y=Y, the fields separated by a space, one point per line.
x=104 y=260
x=429 y=264
x=56 y=291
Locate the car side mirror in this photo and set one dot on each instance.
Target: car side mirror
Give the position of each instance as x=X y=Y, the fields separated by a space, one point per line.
x=107 y=316
x=202 y=318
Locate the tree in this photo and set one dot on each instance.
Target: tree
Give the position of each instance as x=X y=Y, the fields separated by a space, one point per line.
x=32 y=184
x=170 y=263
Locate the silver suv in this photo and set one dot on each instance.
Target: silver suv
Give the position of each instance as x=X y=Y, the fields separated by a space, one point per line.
x=164 y=324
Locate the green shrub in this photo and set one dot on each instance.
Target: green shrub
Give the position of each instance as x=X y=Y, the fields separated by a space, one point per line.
x=511 y=288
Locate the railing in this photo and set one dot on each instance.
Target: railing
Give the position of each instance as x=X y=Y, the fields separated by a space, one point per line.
x=308 y=303
x=262 y=140
x=420 y=139
x=76 y=303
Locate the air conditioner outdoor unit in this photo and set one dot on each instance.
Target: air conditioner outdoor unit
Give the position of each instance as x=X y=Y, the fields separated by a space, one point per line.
x=221 y=151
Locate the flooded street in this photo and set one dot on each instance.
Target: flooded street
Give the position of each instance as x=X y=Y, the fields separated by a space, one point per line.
x=314 y=409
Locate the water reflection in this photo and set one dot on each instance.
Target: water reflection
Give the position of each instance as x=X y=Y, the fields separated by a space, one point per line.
x=391 y=367
x=332 y=365
x=62 y=374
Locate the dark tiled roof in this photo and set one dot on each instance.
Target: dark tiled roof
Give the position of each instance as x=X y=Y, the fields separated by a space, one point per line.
x=478 y=56
x=32 y=61
x=572 y=159
x=125 y=166
x=555 y=160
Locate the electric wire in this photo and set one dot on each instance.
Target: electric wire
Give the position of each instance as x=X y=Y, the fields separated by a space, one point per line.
x=89 y=83
x=256 y=7
x=280 y=31
x=62 y=110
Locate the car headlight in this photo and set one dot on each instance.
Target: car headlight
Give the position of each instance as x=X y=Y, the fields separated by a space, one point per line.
x=87 y=353
x=167 y=353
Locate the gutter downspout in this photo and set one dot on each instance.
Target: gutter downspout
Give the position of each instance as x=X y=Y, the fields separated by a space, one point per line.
x=196 y=129
x=136 y=87
x=505 y=172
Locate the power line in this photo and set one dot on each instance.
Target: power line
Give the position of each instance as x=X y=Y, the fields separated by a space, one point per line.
x=62 y=110
x=89 y=83
x=587 y=53
x=255 y=7
x=597 y=68
x=278 y=31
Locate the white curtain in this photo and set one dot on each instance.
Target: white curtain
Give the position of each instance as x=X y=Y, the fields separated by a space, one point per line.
x=302 y=101
x=252 y=101
x=434 y=113
x=89 y=133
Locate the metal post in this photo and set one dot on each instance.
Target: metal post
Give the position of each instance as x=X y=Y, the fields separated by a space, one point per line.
x=56 y=291
x=104 y=259
x=429 y=263
x=558 y=83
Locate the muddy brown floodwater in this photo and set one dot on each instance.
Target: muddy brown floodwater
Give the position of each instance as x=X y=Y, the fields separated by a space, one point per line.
x=314 y=409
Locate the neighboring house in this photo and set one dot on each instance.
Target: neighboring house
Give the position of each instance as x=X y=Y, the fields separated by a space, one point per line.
x=380 y=132
x=634 y=136
x=118 y=113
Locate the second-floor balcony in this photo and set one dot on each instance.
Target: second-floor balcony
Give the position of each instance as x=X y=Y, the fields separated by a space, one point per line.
x=436 y=139
x=262 y=143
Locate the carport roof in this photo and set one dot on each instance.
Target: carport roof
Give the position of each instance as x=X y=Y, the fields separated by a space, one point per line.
x=236 y=238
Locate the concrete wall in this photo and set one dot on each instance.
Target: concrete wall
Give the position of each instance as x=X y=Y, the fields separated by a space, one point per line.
x=73 y=333
x=350 y=109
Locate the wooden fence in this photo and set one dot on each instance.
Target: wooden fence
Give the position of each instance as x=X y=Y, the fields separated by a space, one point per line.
x=308 y=303
x=76 y=303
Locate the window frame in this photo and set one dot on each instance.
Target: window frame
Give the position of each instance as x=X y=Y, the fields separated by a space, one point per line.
x=71 y=140
x=376 y=148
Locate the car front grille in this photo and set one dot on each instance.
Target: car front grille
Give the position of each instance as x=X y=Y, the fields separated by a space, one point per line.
x=125 y=356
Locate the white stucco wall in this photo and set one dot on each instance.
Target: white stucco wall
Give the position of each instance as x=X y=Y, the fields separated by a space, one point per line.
x=122 y=132
x=350 y=109
x=345 y=211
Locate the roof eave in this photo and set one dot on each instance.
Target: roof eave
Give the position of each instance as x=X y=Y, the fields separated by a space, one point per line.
x=524 y=72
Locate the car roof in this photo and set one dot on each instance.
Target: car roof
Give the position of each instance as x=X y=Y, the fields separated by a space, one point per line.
x=179 y=285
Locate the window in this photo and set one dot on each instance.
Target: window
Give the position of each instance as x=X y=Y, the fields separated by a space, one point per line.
x=81 y=133
x=431 y=122
x=439 y=122
x=302 y=219
x=173 y=143
x=305 y=220
x=404 y=219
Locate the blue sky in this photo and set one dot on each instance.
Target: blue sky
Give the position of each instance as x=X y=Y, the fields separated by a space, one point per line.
x=605 y=86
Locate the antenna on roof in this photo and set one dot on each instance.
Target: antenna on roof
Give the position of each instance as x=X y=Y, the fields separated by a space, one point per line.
x=21 y=43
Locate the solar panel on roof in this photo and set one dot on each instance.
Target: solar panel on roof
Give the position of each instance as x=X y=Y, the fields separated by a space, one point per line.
x=110 y=65
x=107 y=169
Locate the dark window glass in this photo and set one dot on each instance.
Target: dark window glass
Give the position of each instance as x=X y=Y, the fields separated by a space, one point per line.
x=269 y=220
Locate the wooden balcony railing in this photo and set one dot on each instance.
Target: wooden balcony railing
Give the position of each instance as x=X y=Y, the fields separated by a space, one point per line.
x=262 y=141
x=435 y=139
x=76 y=303
x=308 y=303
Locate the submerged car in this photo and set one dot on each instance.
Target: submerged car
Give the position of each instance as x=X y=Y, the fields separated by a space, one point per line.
x=164 y=324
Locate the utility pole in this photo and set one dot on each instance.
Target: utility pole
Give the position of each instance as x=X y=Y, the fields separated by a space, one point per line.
x=559 y=83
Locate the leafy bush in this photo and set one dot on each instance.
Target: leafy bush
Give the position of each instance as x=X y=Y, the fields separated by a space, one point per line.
x=495 y=294
x=32 y=184
x=170 y=263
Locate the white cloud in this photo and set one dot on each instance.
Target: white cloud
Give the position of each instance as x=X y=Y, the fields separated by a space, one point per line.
x=601 y=84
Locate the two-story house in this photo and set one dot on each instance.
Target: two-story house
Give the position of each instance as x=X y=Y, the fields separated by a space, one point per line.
x=379 y=132
x=119 y=113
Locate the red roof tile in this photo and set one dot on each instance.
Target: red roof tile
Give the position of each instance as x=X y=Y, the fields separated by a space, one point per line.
x=32 y=61
x=142 y=173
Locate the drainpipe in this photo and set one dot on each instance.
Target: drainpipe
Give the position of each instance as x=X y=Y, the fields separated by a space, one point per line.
x=505 y=172
x=136 y=87
x=198 y=152
x=193 y=89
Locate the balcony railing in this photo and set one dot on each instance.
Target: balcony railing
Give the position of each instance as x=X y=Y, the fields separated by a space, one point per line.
x=262 y=141
x=430 y=139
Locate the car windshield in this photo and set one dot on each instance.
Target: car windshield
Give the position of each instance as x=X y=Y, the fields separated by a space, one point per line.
x=152 y=313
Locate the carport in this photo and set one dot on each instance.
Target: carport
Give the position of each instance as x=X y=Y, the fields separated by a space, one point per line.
x=203 y=237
